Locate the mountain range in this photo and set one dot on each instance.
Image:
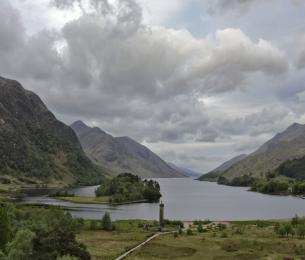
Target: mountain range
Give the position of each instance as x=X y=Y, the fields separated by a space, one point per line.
x=184 y=171
x=35 y=147
x=286 y=148
x=121 y=154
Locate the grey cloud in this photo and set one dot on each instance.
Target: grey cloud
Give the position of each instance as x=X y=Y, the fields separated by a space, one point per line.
x=300 y=63
x=222 y=6
x=132 y=79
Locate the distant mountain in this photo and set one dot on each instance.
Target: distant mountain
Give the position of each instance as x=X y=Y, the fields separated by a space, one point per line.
x=285 y=146
x=121 y=154
x=34 y=146
x=184 y=171
x=214 y=174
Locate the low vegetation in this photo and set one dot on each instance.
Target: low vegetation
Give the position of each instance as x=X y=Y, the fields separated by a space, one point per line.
x=244 y=240
x=37 y=233
x=271 y=184
x=129 y=188
x=50 y=233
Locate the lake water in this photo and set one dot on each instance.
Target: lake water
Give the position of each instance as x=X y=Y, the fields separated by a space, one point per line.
x=188 y=199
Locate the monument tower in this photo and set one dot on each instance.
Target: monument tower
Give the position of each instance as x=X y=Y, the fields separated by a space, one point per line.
x=161 y=215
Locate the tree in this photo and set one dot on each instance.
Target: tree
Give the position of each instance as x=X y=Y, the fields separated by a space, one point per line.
x=301 y=231
x=106 y=222
x=22 y=246
x=295 y=221
x=200 y=228
x=288 y=229
x=5 y=230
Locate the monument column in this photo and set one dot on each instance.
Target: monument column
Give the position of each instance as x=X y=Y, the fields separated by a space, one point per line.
x=161 y=215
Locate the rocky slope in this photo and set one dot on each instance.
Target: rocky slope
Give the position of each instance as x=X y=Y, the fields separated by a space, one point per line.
x=121 y=154
x=34 y=146
x=214 y=174
x=285 y=146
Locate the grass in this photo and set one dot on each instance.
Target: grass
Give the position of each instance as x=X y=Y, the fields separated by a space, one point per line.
x=85 y=200
x=109 y=245
x=244 y=242
x=94 y=200
x=240 y=240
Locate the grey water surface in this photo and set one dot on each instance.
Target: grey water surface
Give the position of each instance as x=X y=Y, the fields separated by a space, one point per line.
x=188 y=199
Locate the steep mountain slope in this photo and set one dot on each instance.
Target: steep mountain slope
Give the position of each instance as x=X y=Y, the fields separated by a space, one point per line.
x=293 y=169
x=184 y=171
x=214 y=174
x=288 y=145
x=34 y=146
x=121 y=154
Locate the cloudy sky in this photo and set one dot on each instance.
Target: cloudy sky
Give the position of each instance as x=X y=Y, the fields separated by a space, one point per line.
x=197 y=81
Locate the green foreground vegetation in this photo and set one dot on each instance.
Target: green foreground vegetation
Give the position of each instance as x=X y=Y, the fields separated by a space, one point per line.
x=50 y=233
x=201 y=240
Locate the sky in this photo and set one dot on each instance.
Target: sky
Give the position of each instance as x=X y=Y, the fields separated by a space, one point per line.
x=197 y=81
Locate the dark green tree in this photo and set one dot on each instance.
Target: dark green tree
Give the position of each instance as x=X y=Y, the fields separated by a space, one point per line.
x=301 y=231
x=5 y=229
x=106 y=222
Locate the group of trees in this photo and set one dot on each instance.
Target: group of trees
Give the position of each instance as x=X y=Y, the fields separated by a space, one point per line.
x=242 y=181
x=271 y=184
x=128 y=187
x=295 y=228
x=33 y=233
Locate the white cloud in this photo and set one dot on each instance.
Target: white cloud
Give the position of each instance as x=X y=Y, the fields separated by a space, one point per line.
x=178 y=92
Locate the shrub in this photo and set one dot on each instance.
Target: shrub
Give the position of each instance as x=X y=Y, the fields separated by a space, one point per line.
x=106 y=222
x=5 y=229
x=189 y=232
x=93 y=225
x=200 y=228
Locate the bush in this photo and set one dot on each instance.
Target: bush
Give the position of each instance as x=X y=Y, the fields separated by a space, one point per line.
x=200 y=228
x=189 y=232
x=22 y=246
x=5 y=228
x=224 y=235
x=301 y=231
x=93 y=225
x=106 y=222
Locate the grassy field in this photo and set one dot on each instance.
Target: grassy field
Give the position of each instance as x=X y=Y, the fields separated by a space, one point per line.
x=110 y=244
x=93 y=200
x=85 y=200
x=239 y=240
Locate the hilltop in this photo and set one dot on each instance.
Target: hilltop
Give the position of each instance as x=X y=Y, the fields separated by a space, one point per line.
x=121 y=154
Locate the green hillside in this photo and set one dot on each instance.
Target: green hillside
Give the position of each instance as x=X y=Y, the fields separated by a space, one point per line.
x=35 y=147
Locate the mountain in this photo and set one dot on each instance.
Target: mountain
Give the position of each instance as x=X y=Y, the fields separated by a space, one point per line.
x=184 y=171
x=285 y=146
x=35 y=147
x=121 y=154
x=214 y=174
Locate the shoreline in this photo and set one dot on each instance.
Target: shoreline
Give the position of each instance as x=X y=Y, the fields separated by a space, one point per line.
x=95 y=200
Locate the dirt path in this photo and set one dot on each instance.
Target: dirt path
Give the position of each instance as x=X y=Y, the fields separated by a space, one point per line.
x=142 y=244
